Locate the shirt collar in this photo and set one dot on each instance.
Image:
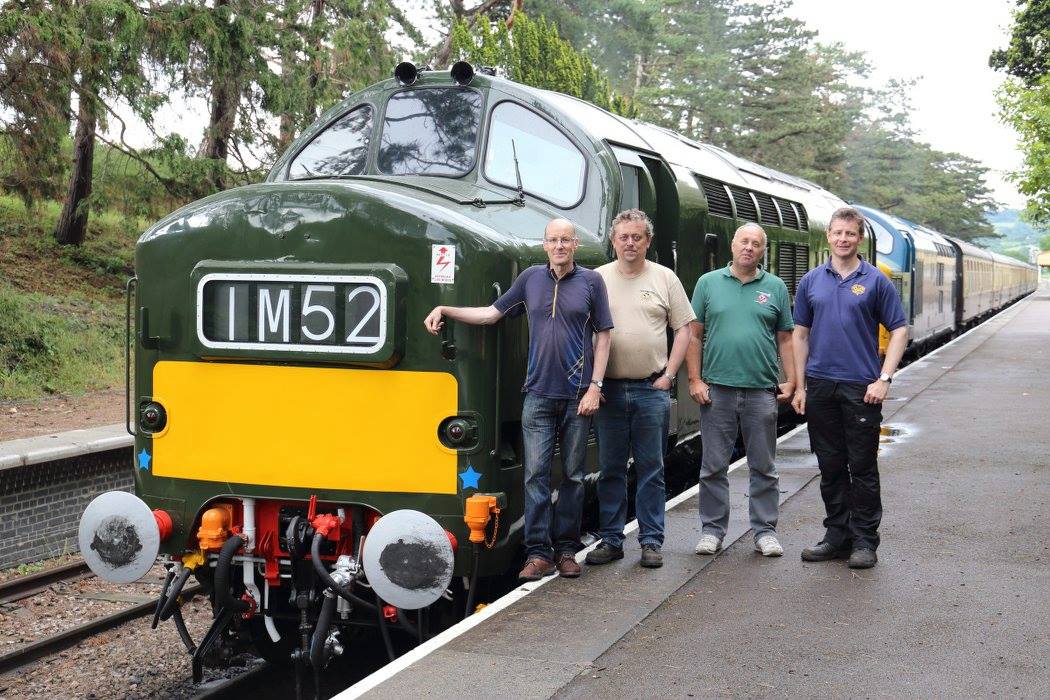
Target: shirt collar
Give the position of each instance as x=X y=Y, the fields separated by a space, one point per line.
x=570 y=273
x=727 y=271
x=861 y=270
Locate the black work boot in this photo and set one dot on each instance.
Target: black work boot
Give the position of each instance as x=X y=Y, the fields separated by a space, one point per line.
x=651 y=557
x=603 y=554
x=824 y=552
x=862 y=559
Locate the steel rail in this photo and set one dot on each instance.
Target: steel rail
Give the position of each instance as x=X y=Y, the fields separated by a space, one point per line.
x=31 y=584
x=63 y=640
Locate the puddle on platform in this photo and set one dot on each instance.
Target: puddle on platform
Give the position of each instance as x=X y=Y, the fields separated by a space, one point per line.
x=890 y=433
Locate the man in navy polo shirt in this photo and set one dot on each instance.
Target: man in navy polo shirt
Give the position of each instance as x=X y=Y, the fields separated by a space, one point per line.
x=838 y=309
x=566 y=306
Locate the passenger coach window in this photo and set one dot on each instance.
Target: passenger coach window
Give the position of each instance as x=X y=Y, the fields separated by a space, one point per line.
x=430 y=132
x=551 y=167
x=341 y=149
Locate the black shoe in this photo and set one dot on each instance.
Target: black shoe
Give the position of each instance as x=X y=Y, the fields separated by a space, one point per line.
x=862 y=559
x=603 y=554
x=824 y=552
x=651 y=557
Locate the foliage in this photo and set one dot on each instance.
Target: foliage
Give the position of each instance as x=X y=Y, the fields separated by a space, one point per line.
x=1027 y=110
x=534 y=54
x=1028 y=55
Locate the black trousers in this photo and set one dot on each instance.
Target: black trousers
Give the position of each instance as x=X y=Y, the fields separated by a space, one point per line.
x=844 y=434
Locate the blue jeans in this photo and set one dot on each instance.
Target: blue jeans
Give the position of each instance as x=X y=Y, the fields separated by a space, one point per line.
x=543 y=421
x=632 y=422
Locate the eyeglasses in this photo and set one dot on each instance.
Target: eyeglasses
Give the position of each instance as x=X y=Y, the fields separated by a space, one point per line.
x=557 y=241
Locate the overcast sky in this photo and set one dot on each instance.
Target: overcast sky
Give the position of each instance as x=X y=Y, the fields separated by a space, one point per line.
x=945 y=45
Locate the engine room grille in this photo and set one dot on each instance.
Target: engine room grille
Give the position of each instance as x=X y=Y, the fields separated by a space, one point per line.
x=792 y=264
x=718 y=202
x=787 y=211
x=767 y=210
x=745 y=206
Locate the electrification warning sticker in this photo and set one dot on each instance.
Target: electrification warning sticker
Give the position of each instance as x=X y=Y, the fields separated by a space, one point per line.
x=443 y=264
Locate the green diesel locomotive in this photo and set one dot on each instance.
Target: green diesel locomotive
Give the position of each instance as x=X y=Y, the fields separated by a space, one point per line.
x=302 y=445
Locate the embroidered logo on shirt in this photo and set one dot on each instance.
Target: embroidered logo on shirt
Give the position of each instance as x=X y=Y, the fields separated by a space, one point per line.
x=763 y=297
x=857 y=289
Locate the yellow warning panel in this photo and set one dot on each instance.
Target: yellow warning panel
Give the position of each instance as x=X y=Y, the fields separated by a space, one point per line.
x=307 y=427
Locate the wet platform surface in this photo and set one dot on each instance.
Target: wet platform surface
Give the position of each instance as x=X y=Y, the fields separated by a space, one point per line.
x=958 y=605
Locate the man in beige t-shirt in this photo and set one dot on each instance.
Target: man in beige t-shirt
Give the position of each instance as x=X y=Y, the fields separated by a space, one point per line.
x=646 y=299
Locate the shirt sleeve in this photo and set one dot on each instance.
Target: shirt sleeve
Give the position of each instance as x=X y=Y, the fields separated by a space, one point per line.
x=512 y=302
x=803 y=310
x=680 y=311
x=891 y=310
x=700 y=301
x=784 y=322
x=601 y=315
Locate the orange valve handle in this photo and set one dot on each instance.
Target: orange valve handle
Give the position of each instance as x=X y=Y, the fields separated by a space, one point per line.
x=476 y=514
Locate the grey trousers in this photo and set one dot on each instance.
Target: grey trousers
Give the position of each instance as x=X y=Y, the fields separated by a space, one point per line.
x=753 y=413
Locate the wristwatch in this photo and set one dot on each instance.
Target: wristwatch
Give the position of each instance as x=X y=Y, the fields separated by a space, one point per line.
x=597 y=383
x=888 y=378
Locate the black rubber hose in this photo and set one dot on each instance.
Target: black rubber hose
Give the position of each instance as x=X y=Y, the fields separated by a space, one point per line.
x=184 y=633
x=324 y=622
x=162 y=600
x=172 y=601
x=223 y=597
x=473 y=582
x=383 y=631
x=326 y=578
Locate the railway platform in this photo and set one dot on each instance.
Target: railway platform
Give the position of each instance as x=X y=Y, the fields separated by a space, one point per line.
x=957 y=605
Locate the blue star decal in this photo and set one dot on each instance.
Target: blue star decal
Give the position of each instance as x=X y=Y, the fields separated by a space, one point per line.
x=144 y=459
x=470 y=477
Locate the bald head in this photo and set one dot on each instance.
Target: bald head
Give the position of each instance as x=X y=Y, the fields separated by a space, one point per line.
x=559 y=227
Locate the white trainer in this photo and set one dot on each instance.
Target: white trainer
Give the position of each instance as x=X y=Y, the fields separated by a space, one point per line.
x=768 y=545
x=708 y=544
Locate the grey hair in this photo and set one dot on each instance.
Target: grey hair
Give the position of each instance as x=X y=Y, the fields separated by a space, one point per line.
x=752 y=225
x=633 y=215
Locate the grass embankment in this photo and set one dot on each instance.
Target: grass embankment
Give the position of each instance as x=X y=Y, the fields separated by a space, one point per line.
x=61 y=307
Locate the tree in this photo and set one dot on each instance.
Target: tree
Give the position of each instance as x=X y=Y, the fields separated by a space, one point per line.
x=1024 y=102
x=1028 y=55
x=532 y=52
x=34 y=94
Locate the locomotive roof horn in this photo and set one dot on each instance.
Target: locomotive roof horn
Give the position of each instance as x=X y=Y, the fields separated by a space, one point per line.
x=406 y=73
x=462 y=72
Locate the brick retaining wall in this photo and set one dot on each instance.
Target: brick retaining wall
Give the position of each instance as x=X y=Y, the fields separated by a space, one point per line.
x=40 y=504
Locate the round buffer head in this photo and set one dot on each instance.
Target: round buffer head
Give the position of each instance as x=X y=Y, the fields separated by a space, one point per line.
x=119 y=538
x=408 y=559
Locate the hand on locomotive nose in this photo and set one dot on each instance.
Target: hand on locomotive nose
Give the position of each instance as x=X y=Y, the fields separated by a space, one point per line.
x=433 y=321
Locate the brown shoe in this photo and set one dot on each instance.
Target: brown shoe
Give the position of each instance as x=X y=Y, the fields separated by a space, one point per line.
x=567 y=566
x=536 y=568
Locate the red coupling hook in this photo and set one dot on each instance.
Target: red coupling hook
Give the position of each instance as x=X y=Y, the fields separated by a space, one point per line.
x=250 y=612
x=390 y=613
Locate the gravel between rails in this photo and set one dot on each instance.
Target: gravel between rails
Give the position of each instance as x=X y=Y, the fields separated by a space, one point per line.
x=130 y=661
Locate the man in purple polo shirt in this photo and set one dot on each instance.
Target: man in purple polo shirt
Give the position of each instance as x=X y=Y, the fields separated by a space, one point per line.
x=838 y=309
x=566 y=306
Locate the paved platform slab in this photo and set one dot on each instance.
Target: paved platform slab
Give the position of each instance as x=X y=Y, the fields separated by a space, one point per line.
x=957 y=605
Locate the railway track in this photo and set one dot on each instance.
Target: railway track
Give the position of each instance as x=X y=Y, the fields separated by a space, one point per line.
x=33 y=584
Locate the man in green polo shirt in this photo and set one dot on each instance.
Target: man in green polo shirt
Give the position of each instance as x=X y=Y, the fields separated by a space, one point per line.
x=743 y=321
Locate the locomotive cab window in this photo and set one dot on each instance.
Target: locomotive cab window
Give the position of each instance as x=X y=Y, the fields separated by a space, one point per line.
x=551 y=167
x=430 y=131
x=341 y=149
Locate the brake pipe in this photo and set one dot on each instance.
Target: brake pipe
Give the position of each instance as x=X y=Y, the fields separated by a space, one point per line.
x=326 y=578
x=223 y=596
x=249 y=545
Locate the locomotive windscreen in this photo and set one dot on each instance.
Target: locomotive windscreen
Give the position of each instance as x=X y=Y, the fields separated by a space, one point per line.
x=430 y=131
